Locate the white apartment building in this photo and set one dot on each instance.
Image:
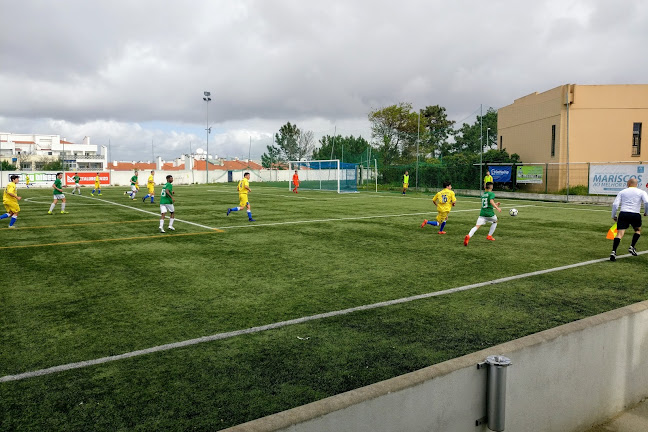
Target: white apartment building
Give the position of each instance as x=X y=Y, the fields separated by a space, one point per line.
x=30 y=152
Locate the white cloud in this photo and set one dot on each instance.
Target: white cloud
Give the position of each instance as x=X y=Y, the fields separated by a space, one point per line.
x=132 y=72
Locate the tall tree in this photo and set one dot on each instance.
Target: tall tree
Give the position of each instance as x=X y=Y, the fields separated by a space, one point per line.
x=305 y=144
x=436 y=129
x=347 y=149
x=469 y=137
x=287 y=139
x=394 y=131
x=271 y=157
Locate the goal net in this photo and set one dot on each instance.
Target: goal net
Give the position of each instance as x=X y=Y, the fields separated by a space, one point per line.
x=330 y=175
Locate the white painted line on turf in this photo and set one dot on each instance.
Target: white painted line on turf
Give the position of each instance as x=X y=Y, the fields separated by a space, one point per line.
x=150 y=212
x=347 y=218
x=227 y=335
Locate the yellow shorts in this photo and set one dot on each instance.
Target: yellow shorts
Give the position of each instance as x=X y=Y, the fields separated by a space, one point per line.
x=243 y=200
x=97 y=186
x=405 y=185
x=441 y=216
x=12 y=207
x=151 y=190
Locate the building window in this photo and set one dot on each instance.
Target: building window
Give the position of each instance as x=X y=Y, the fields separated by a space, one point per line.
x=500 y=142
x=553 y=140
x=636 y=139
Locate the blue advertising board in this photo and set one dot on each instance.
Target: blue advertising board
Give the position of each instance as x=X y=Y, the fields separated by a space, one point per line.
x=501 y=174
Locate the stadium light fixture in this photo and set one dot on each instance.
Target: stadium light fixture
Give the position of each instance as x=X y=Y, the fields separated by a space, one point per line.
x=487 y=144
x=207 y=99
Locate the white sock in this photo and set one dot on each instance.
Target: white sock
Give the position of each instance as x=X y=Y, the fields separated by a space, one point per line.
x=171 y=222
x=161 y=223
x=52 y=207
x=62 y=206
x=492 y=229
x=472 y=231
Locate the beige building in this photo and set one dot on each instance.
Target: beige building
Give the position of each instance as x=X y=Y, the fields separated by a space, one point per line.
x=601 y=123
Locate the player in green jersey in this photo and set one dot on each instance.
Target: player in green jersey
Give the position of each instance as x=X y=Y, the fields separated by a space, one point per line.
x=77 y=186
x=58 y=194
x=487 y=213
x=167 y=202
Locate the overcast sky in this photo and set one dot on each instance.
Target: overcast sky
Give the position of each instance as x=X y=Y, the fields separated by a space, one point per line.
x=133 y=72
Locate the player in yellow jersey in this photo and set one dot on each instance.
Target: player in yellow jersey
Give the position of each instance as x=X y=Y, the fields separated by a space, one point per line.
x=97 y=187
x=10 y=200
x=405 y=181
x=243 y=188
x=444 y=202
x=150 y=185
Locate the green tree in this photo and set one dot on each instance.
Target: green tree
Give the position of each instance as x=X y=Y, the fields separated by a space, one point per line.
x=468 y=137
x=331 y=147
x=269 y=159
x=394 y=131
x=287 y=139
x=435 y=130
x=56 y=165
x=6 y=166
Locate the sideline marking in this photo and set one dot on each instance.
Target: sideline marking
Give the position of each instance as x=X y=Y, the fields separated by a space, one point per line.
x=149 y=212
x=227 y=335
x=109 y=240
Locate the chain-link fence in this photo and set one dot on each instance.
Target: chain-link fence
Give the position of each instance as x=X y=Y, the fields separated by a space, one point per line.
x=581 y=178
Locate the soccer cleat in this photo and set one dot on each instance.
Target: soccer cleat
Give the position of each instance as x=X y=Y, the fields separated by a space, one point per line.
x=466 y=240
x=613 y=256
x=252 y=220
x=91 y=194
x=424 y=223
x=490 y=237
x=442 y=232
x=12 y=226
x=228 y=212
x=632 y=251
x=49 y=212
x=64 y=212
x=162 y=230
x=171 y=228
x=98 y=194
x=143 y=199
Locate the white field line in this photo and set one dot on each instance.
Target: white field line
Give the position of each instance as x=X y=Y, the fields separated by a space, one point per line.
x=227 y=335
x=345 y=219
x=149 y=212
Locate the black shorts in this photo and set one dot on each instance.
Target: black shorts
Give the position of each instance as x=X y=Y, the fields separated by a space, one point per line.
x=626 y=219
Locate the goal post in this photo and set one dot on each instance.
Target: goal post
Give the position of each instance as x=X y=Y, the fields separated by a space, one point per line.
x=331 y=175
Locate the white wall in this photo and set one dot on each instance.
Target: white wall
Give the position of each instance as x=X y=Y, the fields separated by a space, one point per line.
x=565 y=379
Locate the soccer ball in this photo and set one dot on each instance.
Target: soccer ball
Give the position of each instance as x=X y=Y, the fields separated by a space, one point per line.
x=513 y=212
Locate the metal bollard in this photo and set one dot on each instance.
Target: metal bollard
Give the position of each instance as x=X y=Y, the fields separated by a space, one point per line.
x=496 y=394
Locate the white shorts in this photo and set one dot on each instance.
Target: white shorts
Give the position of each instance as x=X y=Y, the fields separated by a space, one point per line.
x=165 y=207
x=59 y=196
x=133 y=188
x=77 y=186
x=481 y=220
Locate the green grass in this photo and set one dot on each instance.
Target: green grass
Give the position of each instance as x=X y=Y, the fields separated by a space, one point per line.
x=72 y=296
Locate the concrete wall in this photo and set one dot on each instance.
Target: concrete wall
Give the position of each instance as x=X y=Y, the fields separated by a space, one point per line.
x=565 y=379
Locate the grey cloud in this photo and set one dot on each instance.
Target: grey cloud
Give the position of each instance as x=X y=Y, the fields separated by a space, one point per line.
x=268 y=62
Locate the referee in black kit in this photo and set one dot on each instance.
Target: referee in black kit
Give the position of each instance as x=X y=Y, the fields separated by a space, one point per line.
x=629 y=202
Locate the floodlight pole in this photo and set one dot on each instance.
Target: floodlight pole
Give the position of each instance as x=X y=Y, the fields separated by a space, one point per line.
x=207 y=99
x=418 y=139
x=481 y=149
